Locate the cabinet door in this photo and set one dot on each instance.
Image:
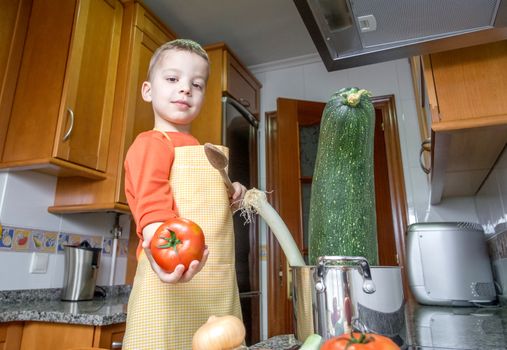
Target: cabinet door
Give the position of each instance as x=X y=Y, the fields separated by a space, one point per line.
x=140 y=113
x=13 y=25
x=141 y=35
x=468 y=86
x=56 y=336
x=240 y=85
x=86 y=109
x=109 y=337
x=10 y=335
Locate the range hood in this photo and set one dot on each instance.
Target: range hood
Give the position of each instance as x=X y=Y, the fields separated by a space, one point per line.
x=349 y=33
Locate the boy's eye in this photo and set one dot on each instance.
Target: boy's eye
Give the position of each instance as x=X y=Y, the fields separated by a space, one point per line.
x=197 y=85
x=172 y=79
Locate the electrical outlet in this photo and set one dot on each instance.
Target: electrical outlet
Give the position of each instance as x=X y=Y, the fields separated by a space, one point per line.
x=39 y=263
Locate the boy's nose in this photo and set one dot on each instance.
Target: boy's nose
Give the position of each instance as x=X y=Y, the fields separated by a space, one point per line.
x=185 y=88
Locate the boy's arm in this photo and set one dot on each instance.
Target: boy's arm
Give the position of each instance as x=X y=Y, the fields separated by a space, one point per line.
x=179 y=275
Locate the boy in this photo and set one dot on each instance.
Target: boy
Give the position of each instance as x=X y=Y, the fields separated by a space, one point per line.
x=165 y=309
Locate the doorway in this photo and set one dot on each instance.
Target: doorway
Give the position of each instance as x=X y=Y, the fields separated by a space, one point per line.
x=291 y=148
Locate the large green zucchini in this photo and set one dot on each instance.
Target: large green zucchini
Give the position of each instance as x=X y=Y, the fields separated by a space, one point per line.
x=342 y=205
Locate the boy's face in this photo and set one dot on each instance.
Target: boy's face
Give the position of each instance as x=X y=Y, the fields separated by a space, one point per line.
x=176 y=89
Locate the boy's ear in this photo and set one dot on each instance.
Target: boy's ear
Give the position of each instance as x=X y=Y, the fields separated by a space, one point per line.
x=146 y=91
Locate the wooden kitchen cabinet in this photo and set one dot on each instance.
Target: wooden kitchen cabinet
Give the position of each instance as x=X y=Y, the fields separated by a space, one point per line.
x=60 y=121
x=60 y=336
x=10 y=335
x=14 y=15
x=228 y=77
x=467 y=96
x=142 y=34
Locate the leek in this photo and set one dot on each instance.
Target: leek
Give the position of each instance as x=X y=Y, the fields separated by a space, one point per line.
x=312 y=342
x=255 y=201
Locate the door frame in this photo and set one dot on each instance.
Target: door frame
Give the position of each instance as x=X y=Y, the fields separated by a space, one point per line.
x=285 y=200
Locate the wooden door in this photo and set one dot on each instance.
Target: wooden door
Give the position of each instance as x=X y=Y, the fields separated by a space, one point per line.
x=87 y=106
x=284 y=159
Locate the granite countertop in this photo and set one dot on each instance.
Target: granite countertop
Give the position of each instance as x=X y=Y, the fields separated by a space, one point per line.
x=436 y=328
x=44 y=305
x=279 y=342
x=426 y=327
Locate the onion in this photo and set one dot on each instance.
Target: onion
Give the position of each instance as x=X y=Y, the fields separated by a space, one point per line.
x=220 y=333
x=255 y=201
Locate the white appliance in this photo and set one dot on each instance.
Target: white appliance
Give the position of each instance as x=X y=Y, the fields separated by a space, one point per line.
x=448 y=264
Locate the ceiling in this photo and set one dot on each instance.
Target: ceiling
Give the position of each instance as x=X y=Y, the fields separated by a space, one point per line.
x=257 y=31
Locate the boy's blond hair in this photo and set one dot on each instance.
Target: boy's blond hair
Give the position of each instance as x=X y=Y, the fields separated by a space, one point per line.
x=177 y=44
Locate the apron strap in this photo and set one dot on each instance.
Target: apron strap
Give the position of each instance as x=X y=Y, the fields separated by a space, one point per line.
x=167 y=137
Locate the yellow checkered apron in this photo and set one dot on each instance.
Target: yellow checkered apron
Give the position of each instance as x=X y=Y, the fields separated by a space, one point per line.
x=164 y=316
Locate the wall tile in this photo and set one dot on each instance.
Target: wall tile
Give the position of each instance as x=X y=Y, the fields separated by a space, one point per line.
x=407 y=119
x=491 y=199
x=283 y=83
x=404 y=76
x=318 y=89
x=88 y=223
x=380 y=79
x=27 y=198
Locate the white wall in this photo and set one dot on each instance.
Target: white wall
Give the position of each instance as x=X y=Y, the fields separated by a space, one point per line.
x=306 y=78
x=24 y=199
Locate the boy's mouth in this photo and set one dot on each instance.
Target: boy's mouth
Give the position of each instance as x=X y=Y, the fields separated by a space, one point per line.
x=182 y=103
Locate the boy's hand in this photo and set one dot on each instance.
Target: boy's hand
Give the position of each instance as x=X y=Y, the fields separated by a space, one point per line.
x=179 y=275
x=237 y=196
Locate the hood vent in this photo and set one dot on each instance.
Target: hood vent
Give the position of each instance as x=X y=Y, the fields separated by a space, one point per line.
x=351 y=33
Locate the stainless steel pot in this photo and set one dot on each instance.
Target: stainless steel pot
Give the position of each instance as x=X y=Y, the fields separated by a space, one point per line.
x=342 y=292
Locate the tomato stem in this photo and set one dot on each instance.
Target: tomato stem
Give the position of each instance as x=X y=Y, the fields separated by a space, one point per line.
x=363 y=339
x=171 y=241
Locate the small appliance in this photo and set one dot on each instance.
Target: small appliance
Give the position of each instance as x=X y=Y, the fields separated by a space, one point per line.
x=448 y=264
x=80 y=274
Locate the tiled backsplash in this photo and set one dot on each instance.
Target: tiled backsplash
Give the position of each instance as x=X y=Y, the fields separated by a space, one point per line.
x=19 y=239
x=491 y=206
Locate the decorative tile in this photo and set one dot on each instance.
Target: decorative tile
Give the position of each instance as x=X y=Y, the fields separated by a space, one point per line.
x=21 y=240
x=497 y=246
x=107 y=246
x=63 y=239
x=75 y=239
x=36 y=241
x=123 y=247
x=50 y=240
x=95 y=241
x=6 y=237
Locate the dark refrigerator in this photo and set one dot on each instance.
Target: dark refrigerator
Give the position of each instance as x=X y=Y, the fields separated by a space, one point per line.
x=240 y=130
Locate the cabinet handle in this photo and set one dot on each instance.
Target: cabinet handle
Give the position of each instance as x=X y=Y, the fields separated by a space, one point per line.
x=244 y=102
x=425 y=146
x=71 y=124
x=116 y=345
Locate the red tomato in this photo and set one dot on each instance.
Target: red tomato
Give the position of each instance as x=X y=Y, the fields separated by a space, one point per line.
x=359 y=341
x=177 y=241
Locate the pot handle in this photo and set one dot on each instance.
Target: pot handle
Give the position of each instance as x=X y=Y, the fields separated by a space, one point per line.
x=364 y=268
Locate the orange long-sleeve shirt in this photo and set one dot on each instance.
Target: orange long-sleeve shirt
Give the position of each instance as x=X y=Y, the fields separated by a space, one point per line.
x=147 y=167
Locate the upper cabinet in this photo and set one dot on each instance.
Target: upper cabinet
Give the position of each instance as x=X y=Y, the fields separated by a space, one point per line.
x=467 y=97
x=62 y=107
x=142 y=34
x=14 y=16
x=228 y=77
